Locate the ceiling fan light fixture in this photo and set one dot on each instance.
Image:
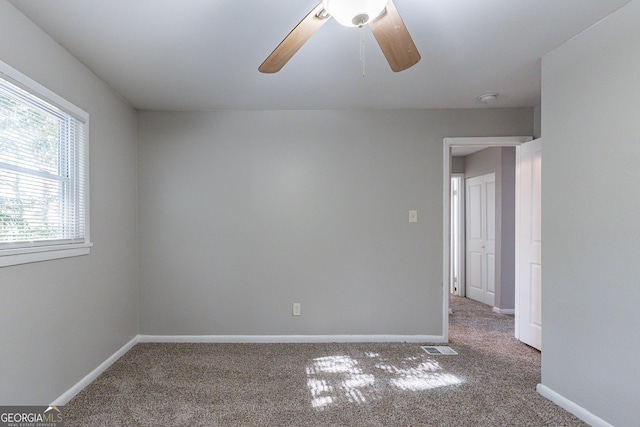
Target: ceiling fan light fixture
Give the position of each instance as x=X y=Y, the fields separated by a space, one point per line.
x=354 y=13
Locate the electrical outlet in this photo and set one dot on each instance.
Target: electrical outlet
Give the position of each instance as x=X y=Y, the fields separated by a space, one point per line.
x=296 y=309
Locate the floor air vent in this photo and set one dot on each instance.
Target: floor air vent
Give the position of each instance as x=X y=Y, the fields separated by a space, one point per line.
x=438 y=349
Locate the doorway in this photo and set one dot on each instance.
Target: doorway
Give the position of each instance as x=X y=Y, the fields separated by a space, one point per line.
x=450 y=143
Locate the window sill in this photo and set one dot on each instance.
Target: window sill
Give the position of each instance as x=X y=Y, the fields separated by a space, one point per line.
x=44 y=253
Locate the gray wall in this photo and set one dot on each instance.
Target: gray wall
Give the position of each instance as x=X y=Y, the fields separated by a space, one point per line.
x=457 y=164
x=60 y=319
x=507 y=269
x=591 y=211
x=502 y=162
x=537 y=121
x=483 y=162
x=244 y=213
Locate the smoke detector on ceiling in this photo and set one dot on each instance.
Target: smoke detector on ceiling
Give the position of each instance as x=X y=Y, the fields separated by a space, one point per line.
x=488 y=98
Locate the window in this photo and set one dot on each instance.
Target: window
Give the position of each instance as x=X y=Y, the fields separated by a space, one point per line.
x=43 y=173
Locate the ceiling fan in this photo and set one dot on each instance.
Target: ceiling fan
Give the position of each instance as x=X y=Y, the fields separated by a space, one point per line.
x=381 y=16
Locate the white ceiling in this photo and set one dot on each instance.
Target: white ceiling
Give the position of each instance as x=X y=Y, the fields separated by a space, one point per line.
x=204 y=54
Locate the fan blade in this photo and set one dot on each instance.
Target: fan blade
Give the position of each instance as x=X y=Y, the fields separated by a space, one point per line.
x=394 y=39
x=294 y=40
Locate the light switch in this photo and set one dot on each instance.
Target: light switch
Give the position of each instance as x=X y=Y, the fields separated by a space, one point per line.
x=413 y=216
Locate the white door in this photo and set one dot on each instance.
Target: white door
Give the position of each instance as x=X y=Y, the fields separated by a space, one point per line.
x=481 y=238
x=528 y=325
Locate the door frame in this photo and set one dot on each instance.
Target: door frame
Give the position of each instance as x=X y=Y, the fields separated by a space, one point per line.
x=448 y=143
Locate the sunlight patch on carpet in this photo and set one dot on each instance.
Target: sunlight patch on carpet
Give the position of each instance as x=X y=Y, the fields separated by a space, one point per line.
x=337 y=376
x=339 y=379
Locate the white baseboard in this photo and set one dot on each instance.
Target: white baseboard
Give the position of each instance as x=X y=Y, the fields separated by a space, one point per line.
x=572 y=407
x=504 y=310
x=290 y=338
x=77 y=388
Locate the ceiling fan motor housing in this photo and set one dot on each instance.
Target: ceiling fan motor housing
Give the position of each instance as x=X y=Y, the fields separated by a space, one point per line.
x=354 y=13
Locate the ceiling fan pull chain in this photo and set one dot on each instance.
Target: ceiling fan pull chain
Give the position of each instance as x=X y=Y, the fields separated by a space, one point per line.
x=362 y=48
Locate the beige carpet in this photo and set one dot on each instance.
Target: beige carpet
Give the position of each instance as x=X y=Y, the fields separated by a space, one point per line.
x=490 y=383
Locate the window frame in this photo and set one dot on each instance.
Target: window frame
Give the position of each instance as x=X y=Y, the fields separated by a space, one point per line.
x=44 y=251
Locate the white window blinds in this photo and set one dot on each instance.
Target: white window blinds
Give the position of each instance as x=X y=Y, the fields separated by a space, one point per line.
x=42 y=173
